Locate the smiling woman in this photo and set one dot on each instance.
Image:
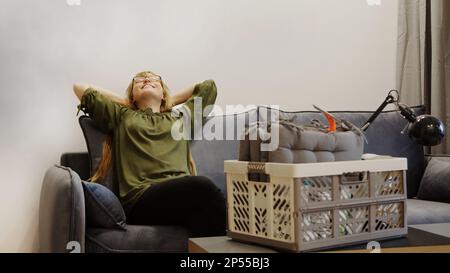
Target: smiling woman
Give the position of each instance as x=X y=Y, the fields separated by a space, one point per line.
x=156 y=173
x=148 y=90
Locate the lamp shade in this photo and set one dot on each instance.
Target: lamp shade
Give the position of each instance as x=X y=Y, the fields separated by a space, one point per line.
x=426 y=130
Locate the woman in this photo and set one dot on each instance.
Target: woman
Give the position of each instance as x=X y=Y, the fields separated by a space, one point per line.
x=156 y=173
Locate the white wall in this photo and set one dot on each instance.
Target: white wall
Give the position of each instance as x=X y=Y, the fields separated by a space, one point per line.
x=337 y=54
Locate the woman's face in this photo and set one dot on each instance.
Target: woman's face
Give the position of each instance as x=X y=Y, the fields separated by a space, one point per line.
x=147 y=87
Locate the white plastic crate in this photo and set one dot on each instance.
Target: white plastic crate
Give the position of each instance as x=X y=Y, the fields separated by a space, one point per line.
x=316 y=206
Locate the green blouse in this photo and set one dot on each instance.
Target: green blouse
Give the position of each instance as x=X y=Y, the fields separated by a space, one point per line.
x=145 y=152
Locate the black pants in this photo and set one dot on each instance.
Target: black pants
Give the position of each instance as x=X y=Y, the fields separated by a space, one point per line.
x=192 y=201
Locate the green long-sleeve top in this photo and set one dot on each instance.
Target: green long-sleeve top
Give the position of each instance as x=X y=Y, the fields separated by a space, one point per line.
x=145 y=152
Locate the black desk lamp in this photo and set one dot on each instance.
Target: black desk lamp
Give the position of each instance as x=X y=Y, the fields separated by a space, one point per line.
x=425 y=130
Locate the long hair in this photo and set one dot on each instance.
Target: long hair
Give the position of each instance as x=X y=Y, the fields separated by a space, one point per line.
x=166 y=106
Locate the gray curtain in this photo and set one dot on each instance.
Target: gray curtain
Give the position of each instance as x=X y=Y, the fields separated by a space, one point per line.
x=423 y=62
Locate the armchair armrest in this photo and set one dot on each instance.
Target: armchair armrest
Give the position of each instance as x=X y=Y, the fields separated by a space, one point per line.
x=61 y=211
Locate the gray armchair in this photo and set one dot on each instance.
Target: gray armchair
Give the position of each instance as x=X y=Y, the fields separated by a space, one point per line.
x=62 y=219
x=62 y=209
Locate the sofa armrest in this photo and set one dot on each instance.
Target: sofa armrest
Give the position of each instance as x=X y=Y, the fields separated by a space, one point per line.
x=61 y=211
x=78 y=162
x=438 y=155
x=442 y=157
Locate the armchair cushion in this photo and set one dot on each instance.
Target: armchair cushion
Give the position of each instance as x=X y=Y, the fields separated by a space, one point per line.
x=103 y=208
x=435 y=185
x=94 y=138
x=138 y=239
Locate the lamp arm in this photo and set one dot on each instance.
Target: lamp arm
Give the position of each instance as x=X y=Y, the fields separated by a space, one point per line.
x=425 y=130
x=389 y=99
x=407 y=113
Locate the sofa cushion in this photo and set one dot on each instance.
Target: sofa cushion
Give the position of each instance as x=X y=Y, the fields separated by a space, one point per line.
x=435 y=185
x=103 y=208
x=427 y=212
x=209 y=155
x=137 y=239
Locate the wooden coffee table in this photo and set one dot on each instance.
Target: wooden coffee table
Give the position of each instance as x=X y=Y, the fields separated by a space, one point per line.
x=433 y=238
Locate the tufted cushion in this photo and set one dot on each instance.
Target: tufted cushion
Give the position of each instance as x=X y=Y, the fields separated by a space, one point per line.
x=302 y=143
x=299 y=144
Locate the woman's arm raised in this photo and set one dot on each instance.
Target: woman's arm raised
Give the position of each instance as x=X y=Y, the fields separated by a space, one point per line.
x=183 y=95
x=79 y=90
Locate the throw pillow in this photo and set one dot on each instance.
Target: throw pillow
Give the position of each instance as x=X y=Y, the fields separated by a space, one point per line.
x=435 y=185
x=103 y=208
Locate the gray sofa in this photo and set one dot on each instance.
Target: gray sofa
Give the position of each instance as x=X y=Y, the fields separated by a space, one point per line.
x=62 y=210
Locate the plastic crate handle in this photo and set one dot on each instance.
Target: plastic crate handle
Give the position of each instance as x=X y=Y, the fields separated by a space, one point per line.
x=354 y=177
x=256 y=167
x=256 y=172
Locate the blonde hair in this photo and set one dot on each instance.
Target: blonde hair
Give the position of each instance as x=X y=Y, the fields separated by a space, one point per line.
x=166 y=106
